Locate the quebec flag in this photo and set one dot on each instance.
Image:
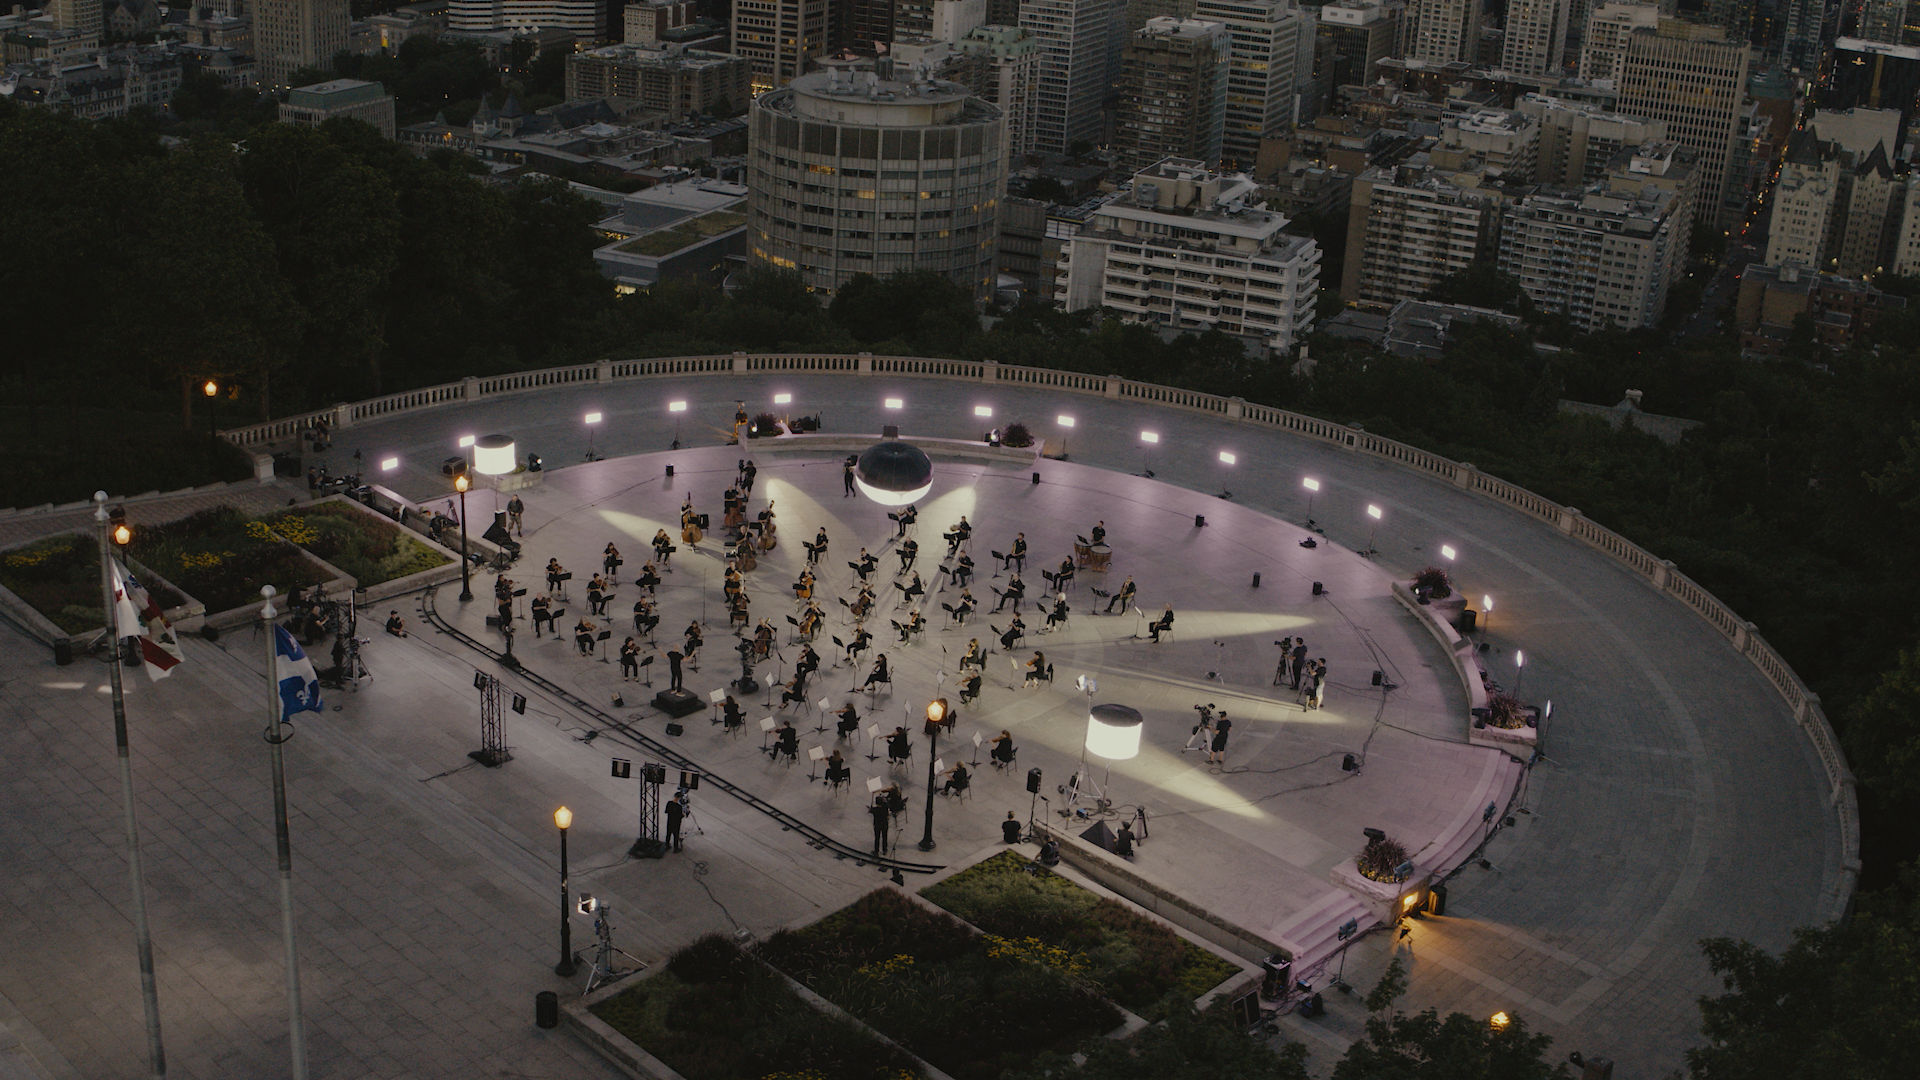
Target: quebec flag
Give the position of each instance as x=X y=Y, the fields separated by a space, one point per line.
x=299 y=686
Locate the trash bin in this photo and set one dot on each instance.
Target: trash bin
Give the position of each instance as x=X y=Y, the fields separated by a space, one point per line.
x=1468 y=619
x=546 y=1009
x=1273 y=984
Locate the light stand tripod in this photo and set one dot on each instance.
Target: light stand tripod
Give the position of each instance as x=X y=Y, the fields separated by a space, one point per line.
x=603 y=971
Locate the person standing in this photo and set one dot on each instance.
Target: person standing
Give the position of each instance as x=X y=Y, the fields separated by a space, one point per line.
x=882 y=818
x=1218 y=752
x=515 y=508
x=846 y=474
x=673 y=668
x=1319 y=693
x=676 y=809
x=1299 y=660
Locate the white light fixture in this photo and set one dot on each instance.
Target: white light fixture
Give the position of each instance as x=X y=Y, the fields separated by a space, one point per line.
x=982 y=410
x=676 y=406
x=895 y=403
x=593 y=418
x=1226 y=458
x=783 y=399
x=1373 y=512
x=1149 y=437
x=1447 y=552
x=894 y=473
x=494 y=455
x=1310 y=484
x=466 y=441
x=389 y=464
x=1519 y=659
x=1486 y=604
x=1063 y=420
x=1113 y=732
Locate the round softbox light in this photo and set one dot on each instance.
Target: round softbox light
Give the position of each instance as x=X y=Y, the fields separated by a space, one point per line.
x=1113 y=732
x=493 y=455
x=894 y=473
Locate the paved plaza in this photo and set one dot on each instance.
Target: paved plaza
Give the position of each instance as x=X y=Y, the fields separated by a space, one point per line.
x=428 y=885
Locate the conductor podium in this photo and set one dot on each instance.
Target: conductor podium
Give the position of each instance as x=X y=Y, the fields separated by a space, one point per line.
x=677 y=703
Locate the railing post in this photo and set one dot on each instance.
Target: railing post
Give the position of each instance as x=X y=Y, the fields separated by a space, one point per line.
x=1463 y=473
x=1567 y=516
x=603 y=371
x=1113 y=386
x=470 y=389
x=990 y=371
x=1662 y=571
x=342 y=416
x=1809 y=701
x=1741 y=633
x=866 y=364
x=739 y=363
x=1352 y=439
x=1236 y=408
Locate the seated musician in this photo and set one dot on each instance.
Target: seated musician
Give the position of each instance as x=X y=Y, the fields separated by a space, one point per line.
x=786 y=740
x=879 y=674
x=763 y=638
x=899 y=746
x=963 y=570
x=1036 y=668
x=970 y=690
x=1002 y=752
x=1015 y=631
x=861 y=640
x=1162 y=624
x=914 y=624
x=583 y=636
x=837 y=770
x=1099 y=534
x=649 y=579
x=957 y=779
x=542 y=611
x=1058 y=613
x=974 y=656
x=849 y=721
x=730 y=714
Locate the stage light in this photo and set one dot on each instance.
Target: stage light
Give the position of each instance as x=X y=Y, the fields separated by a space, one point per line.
x=893 y=473
x=1149 y=437
x=676 y=406
x=1373 y=512
x=593 y=418
x=1226 y=458
x=389 y=464
x=783 y=399
x=896 y=403
x=1063 y=421
x=466 y=441
x=1113 y=732
x=1310 y=484
x=1447 y=552
x=982 y=410
x=494 y=455
x=1486 y=604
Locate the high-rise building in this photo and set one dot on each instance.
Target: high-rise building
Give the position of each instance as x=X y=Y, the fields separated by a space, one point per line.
x=1441 y=31
x=1505 y=143
x=1002 y=65
x=1077 y=66
x=855 y=172
x=1608 y=28
x=1409 y=227
x=780 y=38
x=83 y=17
x=1190 y=249
x=1578 y=141
x=1353 y=37
x=672 y=80
x=292 y=34
x=860 y=24
x=1270 y=63
x=590 y=20
x=1536 y=35
x=1836 y=208
x=1695 y=79
x=649 y=20
x=1806 y=26
x=1602 y=258
x=1173 y=93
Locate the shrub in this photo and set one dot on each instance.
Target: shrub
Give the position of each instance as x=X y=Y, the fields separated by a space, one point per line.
x=1016 y=435
x=711 y=959
x=371 y=549
x=766 y=424
x=1507 y=711
x=1379 y=858
x=1434 y=582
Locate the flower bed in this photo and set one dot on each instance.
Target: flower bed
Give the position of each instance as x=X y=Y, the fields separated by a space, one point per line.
x=369 y=548
x=716 y=1013
x=60 y=578
x=1134 y=960
x=216 y=557
x=970 y=1006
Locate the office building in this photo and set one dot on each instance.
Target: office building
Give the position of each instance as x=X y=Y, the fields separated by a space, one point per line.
x=1002 y=65
x=1695 y=79
x=1536 y=35
x=292 y=34
x=1077 y=67
x=672 y=80
x=1411 y=226
x=1441 y=31
x=83 y=17
x=649 y=20
x=781 y=38
x=1506 y=144
x=1577 y=141
x=1605 y=43
x=1173 y=93
x=1269 y=66
x=314 y=105
x=1353 y=36
x=589 y=20
x=1602 y=258
x=856 y=172
x=1190 y=249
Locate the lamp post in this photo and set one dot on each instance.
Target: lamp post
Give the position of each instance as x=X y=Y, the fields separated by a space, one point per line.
x=1486 y=609
x=461 y=484
x=1519 y=670
x=119 y=534
x=1374 y=529
x=212 y=390
x=563 y=817
x=1313 y=488
x=936 y=713
x=1227 y=460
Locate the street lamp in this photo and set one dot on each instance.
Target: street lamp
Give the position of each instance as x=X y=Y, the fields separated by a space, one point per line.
x=460 y=484
x=936 y=715
x=212 y=390
x=1372 y=530
x=1486 y=609
x=1313 y=488
x=1227 y=459
x=592 y=418
x=563 y=818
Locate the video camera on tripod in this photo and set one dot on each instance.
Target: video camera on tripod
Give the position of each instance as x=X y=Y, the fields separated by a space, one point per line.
x=1206 y=712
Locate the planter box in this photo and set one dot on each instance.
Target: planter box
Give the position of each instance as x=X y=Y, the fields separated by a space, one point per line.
x=1437 y=617
x=1381 y=897
x=1519 y=741
x=518 y=479
x=435 y=575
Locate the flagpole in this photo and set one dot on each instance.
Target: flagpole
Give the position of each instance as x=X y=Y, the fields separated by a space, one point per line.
x=282 y=838
x=143 y=940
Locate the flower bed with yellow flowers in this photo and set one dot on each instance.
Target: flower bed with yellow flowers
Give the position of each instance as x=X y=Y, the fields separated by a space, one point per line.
x=1137 y=962
x=970 y=1006
x=223 y=557
x=60 y=578
x=370 y=548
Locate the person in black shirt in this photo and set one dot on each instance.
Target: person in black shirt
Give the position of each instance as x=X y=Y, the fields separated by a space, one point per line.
x=1010 y=829
x=899 y=746
x=1123 y=841
x=542 y=612
x=1123 y=597
x=1163 y=624
x=1099 y=534
x=730 y=714
x=629 y=660
x=396 y=625
x=849 y=721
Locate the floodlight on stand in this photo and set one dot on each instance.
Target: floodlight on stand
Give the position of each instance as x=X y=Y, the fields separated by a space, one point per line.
x=1486 y=612
x=1149 y=437
x=983 y=410
x=1447 y=552
x=676 y=406
x=1064 y=421
x=894 y=473
x=895 y=403
x=389 y=464
x=1313 y=488
x=591 y=418
x=1147 y=441
x=1227 y=460
x=1372 y=530
x=494 y=455
x=783 y=399
x=466 y=441
x=1113 y=732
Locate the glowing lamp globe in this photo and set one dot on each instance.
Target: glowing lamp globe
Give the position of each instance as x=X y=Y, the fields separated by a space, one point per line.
x=894 y=473
x=493 y=455
x=1113 y=732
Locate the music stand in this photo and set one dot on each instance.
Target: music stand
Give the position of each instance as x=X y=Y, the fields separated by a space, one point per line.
x=821 y=713
x=873 y=733
x=874 y=785
x=602 y=640
x=645 y=663
x=714 y=698
x=976 y=750
x=766 y=728
x=815 y=756
x=517 y=594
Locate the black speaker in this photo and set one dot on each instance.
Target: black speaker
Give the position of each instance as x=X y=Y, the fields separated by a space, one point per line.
x=1036 y=479
x=619 y=702
x=1199 y=521
x=210 y=632
x=891 y=431
x=1348 y=764
x=676 y=729
x=669 y=470
x=690 y=780
x=1317 y=589
x=1256 y=581
x=1468 y=619
x=546 y=1009
x=1033 y=779
x=1378 y=678
x=1437 y=898
x=62 y=651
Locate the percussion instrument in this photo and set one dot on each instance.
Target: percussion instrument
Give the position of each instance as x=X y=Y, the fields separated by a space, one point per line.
x=1099 y=557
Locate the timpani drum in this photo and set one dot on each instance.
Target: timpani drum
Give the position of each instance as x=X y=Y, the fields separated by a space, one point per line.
x=1099 y=557
x=1082 y=555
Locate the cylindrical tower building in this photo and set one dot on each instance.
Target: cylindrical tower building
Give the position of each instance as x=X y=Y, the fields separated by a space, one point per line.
x=853 y=172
